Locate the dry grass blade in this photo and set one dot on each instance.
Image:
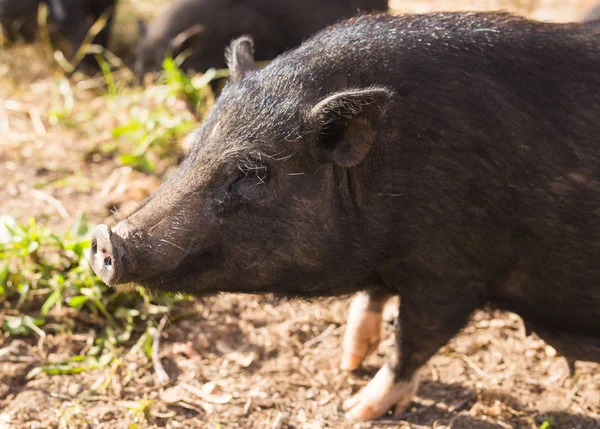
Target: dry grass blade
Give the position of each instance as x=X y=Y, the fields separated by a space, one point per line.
x=56 y=204
x=160 y=374
x=206 y=395
x=279 y=421
x=326 y=333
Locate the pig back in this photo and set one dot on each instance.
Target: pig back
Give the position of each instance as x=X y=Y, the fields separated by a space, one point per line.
x=489 y=154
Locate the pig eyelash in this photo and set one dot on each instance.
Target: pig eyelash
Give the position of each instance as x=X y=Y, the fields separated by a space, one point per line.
x=279 y=156
x=254 y=169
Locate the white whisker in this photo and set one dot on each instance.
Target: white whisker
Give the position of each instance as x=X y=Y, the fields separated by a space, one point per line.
x=174 y=245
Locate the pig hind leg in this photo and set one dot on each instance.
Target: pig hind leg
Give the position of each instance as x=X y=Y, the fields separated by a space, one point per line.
x=425 y=323
x=363 y=328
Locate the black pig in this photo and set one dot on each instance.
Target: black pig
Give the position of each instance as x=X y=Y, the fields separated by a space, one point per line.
x=450 y=158
x=73 y=19
x=204 y=28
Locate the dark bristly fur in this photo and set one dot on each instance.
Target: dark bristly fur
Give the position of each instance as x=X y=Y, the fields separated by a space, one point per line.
x=466 y=174
x=275 y=25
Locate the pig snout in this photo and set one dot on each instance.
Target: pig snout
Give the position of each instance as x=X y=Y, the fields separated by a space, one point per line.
x=108 y=255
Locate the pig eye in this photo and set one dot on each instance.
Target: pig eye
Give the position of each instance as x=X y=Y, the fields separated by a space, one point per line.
x=252 y=175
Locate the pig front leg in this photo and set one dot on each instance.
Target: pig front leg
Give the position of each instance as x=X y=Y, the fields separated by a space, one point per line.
x=363 y=328
x=425 y=323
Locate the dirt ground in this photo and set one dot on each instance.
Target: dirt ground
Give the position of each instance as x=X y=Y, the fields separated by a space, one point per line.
x=241 y=361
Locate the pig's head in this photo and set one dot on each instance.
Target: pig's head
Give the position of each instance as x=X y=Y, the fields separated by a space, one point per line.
x=269 y=197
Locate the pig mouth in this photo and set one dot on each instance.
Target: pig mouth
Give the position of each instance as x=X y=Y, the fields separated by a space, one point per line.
x=186 y=276
x=118 y=260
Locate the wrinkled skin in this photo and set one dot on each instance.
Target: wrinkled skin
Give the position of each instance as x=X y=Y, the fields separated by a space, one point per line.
x=201 y=29
x=73 y=19
x=451 y=159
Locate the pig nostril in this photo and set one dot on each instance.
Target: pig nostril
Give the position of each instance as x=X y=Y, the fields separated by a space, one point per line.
x=107 y=262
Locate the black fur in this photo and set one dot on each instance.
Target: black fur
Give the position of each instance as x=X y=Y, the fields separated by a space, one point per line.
x=481 y=186
x=275 y=25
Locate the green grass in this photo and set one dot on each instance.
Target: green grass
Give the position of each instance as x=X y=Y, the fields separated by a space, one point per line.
x=47 y=285
x=153 y=130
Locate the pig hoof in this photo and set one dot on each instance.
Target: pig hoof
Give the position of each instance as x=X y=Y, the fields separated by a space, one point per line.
x=363 y=332
x=380 y=395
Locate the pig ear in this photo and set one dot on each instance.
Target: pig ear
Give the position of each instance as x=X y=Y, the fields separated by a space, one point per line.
x=347 y=123
x=240 y=57
x=142 y=28
x=188 y=37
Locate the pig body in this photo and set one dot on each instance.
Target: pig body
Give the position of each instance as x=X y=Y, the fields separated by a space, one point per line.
x=73 y=19
x=452 y=159
x=204 y=28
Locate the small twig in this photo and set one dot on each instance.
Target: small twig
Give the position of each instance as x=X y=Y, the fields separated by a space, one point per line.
x=473 y=366
x=328 y=331
x=207 y=408
x=61 y=396
x=278 y=422
x=162 y=377
x=15 y=106
x=42 y=335
x=503 y=424
x=206 y=396
x=60 y=209
x=115 y=182
x=37 y=123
